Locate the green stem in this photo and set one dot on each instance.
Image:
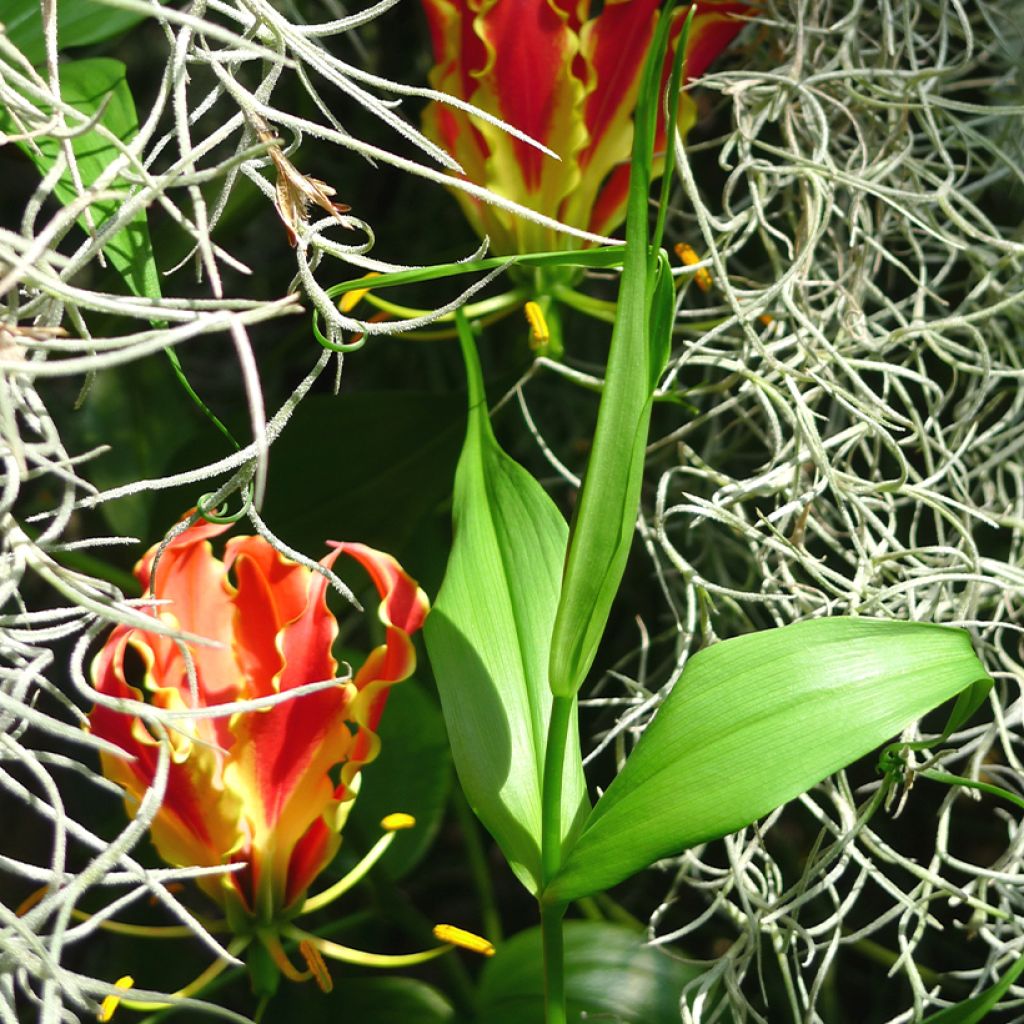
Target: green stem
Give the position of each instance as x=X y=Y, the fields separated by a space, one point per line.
x=551 y=856
x=551 y=798
x=551 y=915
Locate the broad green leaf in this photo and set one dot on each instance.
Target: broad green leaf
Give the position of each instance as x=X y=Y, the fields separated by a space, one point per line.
x=487 y=637
x=755 y=721
x=412 y=773
x=611 y=975
x=976 y=1009
x=603 y=532
x=79 y=23
x=87 y=85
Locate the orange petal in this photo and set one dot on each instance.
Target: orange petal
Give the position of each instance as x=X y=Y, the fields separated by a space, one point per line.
x=201 y=602
x=197 y=822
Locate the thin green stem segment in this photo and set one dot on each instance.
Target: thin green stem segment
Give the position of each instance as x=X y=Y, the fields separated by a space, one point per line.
x=551 y=798
x=551 y=914
x=554 y=962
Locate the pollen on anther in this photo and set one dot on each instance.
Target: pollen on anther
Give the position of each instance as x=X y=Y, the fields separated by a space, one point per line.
x=31 y=900
x=538 y=325
x=110 y=1003
x=396 y=822
x=690 y=258
x=466 y=940
x=317 y=966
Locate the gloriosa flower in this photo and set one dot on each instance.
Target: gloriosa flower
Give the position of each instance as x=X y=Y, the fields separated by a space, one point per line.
x=570 y=81
x=267 y=788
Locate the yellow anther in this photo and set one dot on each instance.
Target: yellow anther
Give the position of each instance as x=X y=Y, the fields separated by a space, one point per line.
x=31 y=900
x=110 y=1003
x=689 y=258
x=767 y=319
x=350 y=300
x=317 y=965
x=460 y=937
x=538 y=325
x=396 y=822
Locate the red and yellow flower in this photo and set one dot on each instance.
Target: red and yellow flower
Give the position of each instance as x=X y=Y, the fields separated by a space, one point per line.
x=569 y=80
x=268 y=788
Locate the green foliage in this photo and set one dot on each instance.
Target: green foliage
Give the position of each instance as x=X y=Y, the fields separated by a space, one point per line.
x=753 y=722
x=976 y=1009
x=610 y=975
x=641 y=338
x=143 y=435
x=389 y=1000
x=91 y=86
x=79 y=23
x=488 y=639
x=392 y=457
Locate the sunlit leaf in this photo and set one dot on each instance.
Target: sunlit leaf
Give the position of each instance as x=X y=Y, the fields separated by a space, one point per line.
x=88 y=85
x=755 y=721
x=603 y=531
x=79 y=23
x=488 y=639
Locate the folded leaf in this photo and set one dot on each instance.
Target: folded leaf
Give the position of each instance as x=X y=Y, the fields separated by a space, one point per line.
x=755 y=721
x=488 y=639
x=641 y=339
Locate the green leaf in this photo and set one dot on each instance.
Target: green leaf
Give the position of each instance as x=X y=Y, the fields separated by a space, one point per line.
x=376 y=1000
x=87 y=85
x=487 y=637
x=755 y=721
x=603 y=532
x=392 y=459
x=611 y=975
x=79 y=23
x=412 y=774
x=144 y=436
x=976 y=1009
x=966 y=704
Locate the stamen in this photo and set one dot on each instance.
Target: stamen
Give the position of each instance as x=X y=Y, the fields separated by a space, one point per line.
x=351 y=299
x=111 y=1002
x=391 y=824
x=538 y=325
x=346 y=954
x=273 y=946
x=171 y=887
x=689 y=258
x=317 y=965
x=767 y=319
x=150 y=931
x=466 y=940
x=197 y=984
x=31 y=900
